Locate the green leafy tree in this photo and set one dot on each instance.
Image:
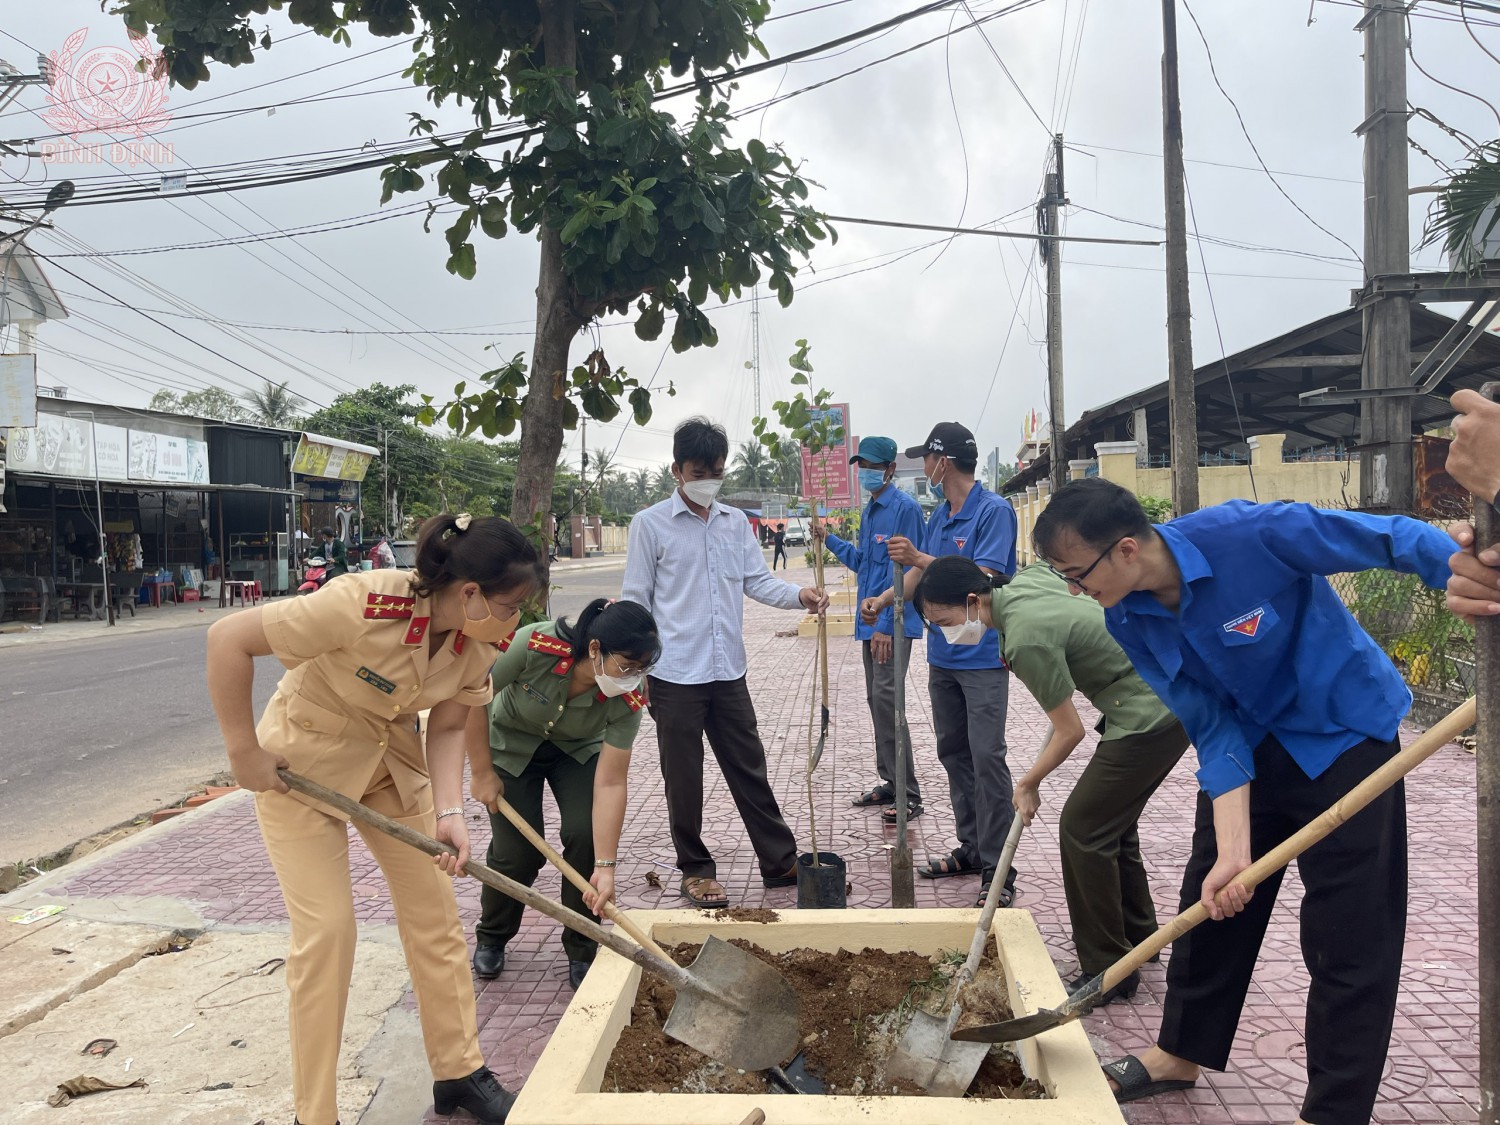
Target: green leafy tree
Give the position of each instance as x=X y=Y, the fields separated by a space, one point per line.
x=789 y=468
x=211 y=402
x=411 y=456
x=635 y=210
x=274 y=405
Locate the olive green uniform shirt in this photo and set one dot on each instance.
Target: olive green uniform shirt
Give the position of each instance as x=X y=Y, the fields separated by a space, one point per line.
x=1056 y=642
x=531 y=704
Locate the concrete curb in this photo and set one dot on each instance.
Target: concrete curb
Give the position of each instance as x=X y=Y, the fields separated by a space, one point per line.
x=39 y=889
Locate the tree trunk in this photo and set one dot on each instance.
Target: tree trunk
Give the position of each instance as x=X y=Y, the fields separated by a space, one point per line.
x=557 y=322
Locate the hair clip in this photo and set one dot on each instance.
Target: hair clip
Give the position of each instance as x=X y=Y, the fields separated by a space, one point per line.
x=462 y=522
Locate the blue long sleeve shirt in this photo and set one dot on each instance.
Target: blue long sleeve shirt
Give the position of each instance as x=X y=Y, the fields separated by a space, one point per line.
x=1260 y=643
x=983 y=529
x=891 y=512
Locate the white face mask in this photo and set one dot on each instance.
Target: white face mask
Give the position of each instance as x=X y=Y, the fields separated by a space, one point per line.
x=971 y=632
x=611 y=686
x=701 y=492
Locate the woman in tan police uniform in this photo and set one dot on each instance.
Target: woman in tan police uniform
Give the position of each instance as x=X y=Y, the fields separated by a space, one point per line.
x=365 y=654
x=566 y=712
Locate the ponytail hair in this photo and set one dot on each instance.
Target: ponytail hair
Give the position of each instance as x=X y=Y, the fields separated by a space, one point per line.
x=487 y=550
x=622 y=628
x=949 y=581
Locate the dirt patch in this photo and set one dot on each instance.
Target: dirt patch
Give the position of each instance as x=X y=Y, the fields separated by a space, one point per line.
x=744 y=914
x=855 y=1007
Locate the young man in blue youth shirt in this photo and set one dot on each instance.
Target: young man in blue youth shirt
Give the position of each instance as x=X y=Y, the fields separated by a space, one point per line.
x=889 y=513
x=967 y=682
x=1226 y=614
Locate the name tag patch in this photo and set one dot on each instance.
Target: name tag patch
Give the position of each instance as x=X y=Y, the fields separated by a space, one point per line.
x=376 y=680
x=1246 y=625
x=534 y=694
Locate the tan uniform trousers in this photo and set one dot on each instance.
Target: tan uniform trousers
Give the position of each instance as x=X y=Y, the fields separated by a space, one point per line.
x=310 y=852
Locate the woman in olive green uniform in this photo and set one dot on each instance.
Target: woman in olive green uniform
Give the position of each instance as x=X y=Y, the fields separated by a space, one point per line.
x=1057 y=644
x=566 y=711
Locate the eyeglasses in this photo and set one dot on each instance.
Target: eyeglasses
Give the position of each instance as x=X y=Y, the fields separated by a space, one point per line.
x=1076 y=580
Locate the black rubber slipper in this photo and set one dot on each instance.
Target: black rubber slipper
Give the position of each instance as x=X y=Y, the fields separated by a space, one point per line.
x=948 y=866
x=1135 y=1080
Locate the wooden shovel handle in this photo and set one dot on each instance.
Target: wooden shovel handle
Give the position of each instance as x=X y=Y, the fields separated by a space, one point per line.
x=1397 y=767
x=757 y=1117
x=666 y=968
x=570 y=873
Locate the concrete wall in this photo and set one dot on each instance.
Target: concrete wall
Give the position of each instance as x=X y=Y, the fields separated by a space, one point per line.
x=1314 y=482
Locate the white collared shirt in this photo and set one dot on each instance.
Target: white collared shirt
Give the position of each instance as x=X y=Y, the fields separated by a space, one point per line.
x=693 y=575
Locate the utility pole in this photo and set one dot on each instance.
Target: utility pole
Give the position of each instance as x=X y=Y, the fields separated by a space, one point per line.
x=1182 y=404
x=755 y=344
x=385 y=483
x=1386 y=477
x=1051 y=249
x=583 y=477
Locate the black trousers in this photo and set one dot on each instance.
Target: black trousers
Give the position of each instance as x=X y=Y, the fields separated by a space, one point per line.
x=1353 y=930
x=510 y=853
x=779 y=553
x=721 y=709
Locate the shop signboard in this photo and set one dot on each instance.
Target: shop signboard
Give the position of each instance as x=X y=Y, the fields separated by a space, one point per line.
x=17 y=390
x=329 y=491
x=315 y=458
x=112 y=449
x=825 y=475
x=57 y=445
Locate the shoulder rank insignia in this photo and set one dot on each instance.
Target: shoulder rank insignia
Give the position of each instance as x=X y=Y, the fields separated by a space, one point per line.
x=416 y=633
x=631 y=699
x=504 y=645
x=553 y=646
x=388 y=607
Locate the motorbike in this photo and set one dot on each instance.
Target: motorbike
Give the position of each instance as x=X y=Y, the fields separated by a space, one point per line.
x=315 y=576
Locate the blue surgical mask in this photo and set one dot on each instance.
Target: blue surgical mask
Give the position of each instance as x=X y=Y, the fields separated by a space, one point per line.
x=936 y=487
x=872 y=480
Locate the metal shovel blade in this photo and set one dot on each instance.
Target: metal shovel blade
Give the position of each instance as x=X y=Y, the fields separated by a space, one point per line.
x=1024 y=1027
x=927 y=1057
x=747 y=1012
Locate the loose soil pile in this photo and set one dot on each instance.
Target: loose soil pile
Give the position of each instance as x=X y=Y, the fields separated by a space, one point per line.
x=744 y=914
x=855 y=1007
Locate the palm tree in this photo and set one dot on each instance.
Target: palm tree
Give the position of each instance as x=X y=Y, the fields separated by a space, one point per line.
x=665 y=482
x=789 y=467
x=644 y=485
x=753 y=468
x=1468 y=209
x=273 y=405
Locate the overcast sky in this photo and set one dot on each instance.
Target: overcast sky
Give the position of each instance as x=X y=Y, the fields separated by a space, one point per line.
x=937 y=136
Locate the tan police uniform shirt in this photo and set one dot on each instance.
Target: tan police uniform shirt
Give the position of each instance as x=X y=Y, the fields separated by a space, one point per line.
x=358 y=674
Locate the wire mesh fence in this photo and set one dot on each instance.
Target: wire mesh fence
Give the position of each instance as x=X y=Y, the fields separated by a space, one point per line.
x=1433 y=649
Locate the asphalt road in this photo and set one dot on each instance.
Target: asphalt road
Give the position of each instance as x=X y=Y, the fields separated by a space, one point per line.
x=94 y=733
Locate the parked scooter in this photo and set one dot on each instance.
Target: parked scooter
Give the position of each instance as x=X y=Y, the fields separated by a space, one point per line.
x=315 y=577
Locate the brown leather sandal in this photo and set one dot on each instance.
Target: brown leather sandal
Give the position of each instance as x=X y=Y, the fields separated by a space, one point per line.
x=703 y=892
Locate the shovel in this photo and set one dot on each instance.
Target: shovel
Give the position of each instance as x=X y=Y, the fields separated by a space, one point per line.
x=729 y=1006
x=640 y=936
x=903 y=892
x=926 y=1055
x=1082 y=1001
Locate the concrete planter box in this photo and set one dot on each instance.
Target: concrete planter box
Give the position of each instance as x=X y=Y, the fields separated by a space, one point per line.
x=563 y=1088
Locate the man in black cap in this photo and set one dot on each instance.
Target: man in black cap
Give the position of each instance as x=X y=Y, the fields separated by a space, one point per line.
x=967 y=681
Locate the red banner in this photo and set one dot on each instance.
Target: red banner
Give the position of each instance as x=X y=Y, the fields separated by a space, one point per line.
x=825 y=475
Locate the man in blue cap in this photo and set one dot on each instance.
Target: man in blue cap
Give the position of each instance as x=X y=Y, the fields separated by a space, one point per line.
x=890 y=512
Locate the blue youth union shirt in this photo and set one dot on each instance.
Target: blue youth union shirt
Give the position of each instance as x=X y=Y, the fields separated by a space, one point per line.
x=984 y=530
x=1262 y=645
x=893 y=512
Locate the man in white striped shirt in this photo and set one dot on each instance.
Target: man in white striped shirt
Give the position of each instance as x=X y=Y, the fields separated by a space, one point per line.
x=691 y=562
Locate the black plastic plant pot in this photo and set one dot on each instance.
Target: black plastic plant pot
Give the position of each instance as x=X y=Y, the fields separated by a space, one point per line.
x=822 y=887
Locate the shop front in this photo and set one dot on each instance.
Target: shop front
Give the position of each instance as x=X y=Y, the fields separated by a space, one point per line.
x=148 y=479
x=328 y=474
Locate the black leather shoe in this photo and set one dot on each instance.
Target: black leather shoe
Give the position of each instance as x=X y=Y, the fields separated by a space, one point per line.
x=489 y=961
x=480 y=1093
x=1122 y=991
x=577 y=970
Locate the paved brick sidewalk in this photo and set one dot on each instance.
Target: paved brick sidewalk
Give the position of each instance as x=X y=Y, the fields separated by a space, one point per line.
x=1431 y=1077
